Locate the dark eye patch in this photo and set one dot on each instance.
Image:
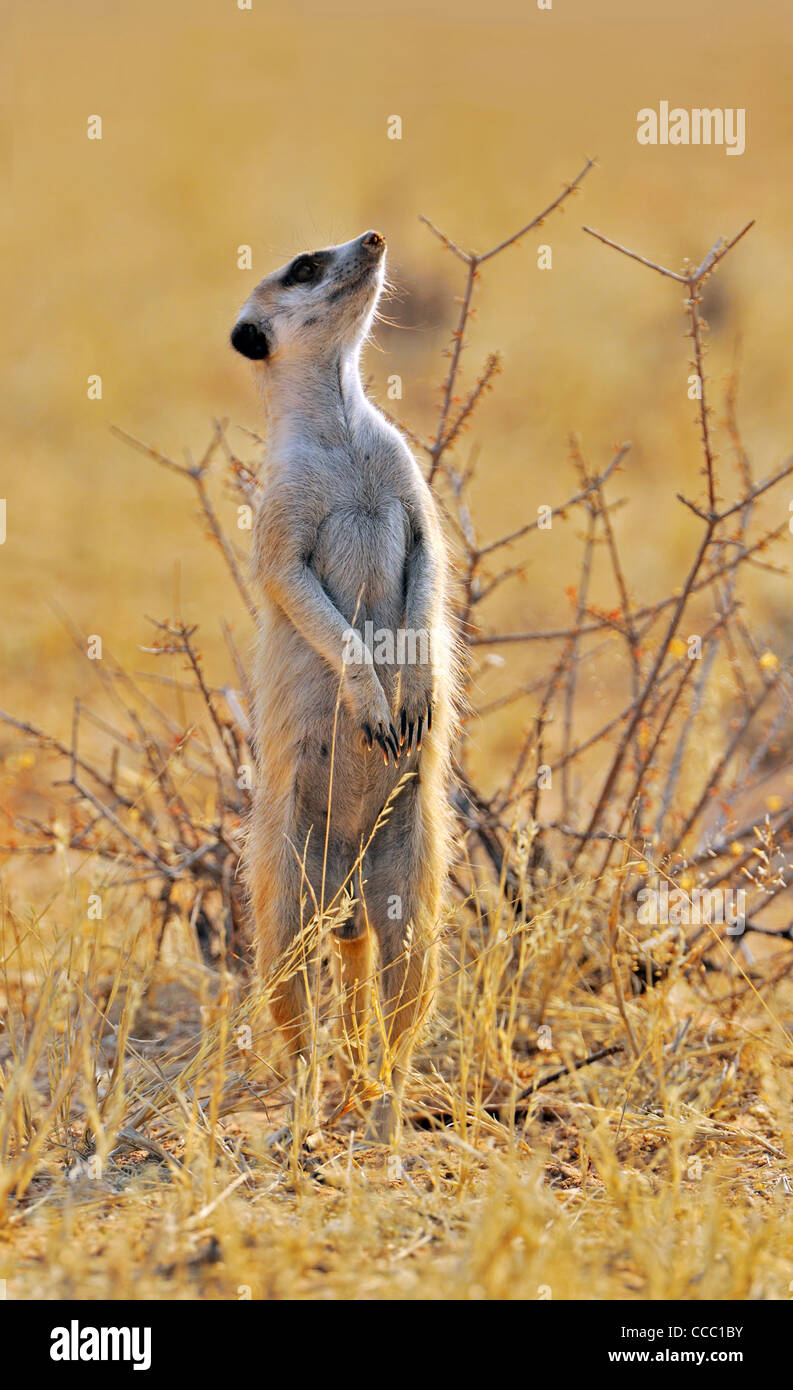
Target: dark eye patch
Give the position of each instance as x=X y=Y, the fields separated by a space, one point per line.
x=305 y=270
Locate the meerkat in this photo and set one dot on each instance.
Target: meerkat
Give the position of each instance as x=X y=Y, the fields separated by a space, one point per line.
x=346 y=544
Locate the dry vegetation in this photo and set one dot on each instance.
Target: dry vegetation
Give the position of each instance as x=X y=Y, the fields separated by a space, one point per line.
x=601 y=1108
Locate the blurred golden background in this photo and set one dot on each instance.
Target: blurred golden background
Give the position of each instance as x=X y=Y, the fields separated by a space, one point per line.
x=269 y=127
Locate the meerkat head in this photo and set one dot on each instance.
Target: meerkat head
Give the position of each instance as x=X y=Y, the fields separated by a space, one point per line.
x=319 y=303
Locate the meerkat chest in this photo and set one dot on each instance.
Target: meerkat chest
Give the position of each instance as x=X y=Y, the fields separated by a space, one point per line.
x=360 y=551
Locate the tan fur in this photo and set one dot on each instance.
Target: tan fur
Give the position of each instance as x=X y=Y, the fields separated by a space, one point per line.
x=346 y=532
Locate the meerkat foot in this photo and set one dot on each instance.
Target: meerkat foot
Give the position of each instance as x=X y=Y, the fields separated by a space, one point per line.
x=385 y=1120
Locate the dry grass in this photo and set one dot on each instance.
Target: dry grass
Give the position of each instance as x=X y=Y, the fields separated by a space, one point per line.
x=657 y=1176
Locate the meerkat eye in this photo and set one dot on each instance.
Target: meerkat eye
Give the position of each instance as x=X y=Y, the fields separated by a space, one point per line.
x=303 y=270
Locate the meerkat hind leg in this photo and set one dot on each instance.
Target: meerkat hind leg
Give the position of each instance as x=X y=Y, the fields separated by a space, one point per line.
x=351 y=963
x=291 y=1011
x=403 y=903
x=406 y=987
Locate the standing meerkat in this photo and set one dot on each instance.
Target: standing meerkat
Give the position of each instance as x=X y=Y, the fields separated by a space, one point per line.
x=347 y=546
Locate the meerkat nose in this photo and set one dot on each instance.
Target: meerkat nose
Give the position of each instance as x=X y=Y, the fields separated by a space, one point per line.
x=373 y=241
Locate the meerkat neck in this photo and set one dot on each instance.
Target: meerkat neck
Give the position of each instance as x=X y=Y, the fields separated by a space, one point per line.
x=318 y=390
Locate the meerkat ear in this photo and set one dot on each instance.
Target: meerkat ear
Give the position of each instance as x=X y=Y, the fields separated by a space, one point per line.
x=251 y=340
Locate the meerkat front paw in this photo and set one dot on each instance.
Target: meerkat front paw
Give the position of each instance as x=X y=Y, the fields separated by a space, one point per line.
x=415 y=715
x=386 y=736
x=373 y=716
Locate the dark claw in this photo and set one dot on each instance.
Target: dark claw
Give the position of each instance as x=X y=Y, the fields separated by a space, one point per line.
x=403 y=723
x=395 y=736
x=384 y=747
x=429 y=718
x=419 y=728
x=369 y=738
x=394 y=746
x=410 y=736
